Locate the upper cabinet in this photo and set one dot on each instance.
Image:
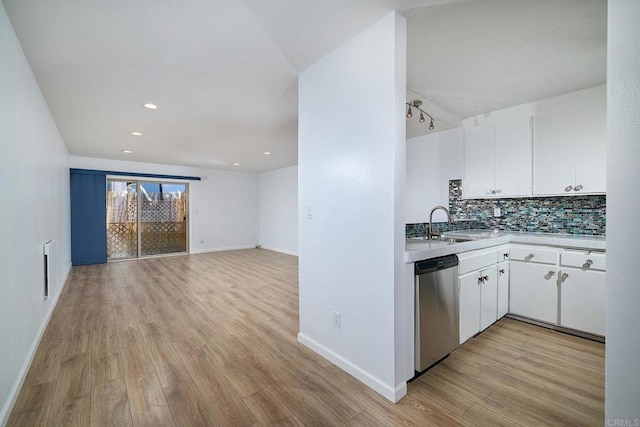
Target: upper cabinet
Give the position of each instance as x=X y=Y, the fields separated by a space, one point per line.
x=555 y=146
x=497 y=159
x=570 y=149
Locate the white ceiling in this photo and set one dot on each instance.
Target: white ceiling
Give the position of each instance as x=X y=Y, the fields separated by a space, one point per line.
x=224 y=73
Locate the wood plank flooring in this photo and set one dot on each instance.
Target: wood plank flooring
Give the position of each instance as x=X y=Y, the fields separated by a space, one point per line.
x=203 y=340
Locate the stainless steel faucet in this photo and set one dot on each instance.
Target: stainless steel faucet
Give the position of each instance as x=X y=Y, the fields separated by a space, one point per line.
x=430 y=232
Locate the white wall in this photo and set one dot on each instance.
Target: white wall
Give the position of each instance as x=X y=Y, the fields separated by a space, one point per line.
x=279 y=210
x=622 y=399
x=432 y=160
x=223 y=207
x=34 y=177
x=351 y=205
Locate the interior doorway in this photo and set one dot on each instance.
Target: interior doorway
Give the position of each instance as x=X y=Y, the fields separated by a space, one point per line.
x=146 y=218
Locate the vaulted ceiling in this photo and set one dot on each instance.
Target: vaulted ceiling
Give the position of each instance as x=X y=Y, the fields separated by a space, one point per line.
x=224 y=72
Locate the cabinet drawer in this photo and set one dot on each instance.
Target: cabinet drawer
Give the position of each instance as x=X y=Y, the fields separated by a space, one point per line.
x=534 y=255
x=502 y=254
x=586 y=260
x=476 y=260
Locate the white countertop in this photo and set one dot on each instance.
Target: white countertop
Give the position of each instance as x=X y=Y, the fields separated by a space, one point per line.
x=418 y=249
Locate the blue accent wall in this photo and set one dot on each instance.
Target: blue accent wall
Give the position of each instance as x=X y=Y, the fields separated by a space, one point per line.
x=88 y=217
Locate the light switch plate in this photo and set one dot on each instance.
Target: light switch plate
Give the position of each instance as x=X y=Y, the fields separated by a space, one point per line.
x=496 y=212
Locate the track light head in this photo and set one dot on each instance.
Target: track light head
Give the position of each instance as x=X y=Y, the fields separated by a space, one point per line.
x=422 y=119
x=409 y=113
x=431 y=126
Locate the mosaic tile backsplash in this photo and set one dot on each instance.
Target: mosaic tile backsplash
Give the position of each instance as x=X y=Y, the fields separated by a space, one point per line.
x=563 y=214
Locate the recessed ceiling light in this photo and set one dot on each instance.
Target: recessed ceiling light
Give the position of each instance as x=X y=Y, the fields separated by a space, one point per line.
x=127 y=151
x=267 y=153
x=236 y=164
x=136 y=134
x=150 y=106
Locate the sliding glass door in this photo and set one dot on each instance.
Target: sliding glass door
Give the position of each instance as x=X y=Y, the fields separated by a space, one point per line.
x=146 y=218
x=163 y=218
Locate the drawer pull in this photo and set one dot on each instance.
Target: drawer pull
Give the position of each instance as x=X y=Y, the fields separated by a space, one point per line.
x=568 y=188
x=528 y=257
x=564 y=276
x=551 y=273
x=589 y=262
x=485 y=278
x=502 y=271
x=480 y=279
x=505 y=255
x=578 y=188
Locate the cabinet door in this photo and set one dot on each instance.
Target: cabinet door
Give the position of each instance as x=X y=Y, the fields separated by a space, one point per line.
x=553 y=152
x=590 y=150
x=582 y=300
x=479 y=162
x=533 y=291
x=503 y=289
x=469 y=297
x=488 y=297
x=513 y=158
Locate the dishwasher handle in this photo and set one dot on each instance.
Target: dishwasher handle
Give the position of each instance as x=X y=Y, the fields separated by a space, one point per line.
x=435 y=264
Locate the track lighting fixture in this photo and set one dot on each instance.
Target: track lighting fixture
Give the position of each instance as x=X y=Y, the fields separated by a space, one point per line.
x=416 y=103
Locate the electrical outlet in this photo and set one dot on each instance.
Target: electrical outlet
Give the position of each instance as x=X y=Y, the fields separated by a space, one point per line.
x=336 y=319
x=496 y=212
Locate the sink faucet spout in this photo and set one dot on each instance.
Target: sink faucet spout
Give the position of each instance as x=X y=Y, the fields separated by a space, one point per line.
x=430 y=233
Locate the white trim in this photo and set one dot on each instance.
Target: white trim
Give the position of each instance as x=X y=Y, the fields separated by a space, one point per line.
x=283 y=251
x=17 y=386
x=394 y=394
x=229 y=248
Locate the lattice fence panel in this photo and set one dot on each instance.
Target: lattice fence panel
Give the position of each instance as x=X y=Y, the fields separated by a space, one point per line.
x=122 y=240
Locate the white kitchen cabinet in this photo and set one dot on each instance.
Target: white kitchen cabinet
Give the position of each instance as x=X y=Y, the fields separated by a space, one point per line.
x=488 y=297
x=582 y=300
x=569 y=149
x=582 y=290
x=478 y=298
x=503 y=288
x=497 y=159
x=469 y=308
x=533 y=291
x=479 y=162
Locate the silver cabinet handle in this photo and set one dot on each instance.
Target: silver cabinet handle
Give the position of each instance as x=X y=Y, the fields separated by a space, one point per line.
x=568 y=188
x=564 y=276
x=485 y=278
x=578 y=188
x=480 y=279
x=589 y=262
x=528 y=257
x=502 y=271
x=551 y=273
x=505 y=255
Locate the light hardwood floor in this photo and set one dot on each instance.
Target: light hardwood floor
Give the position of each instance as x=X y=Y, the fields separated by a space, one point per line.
x=210 y=340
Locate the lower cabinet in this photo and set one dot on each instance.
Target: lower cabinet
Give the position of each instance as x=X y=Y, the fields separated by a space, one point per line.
x=534 y=291
x=503 y=288
x=582 y=300
x=564 y=287
x=478 y=299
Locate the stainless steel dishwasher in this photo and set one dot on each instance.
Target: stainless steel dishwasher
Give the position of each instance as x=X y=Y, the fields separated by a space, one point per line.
x=437 y=330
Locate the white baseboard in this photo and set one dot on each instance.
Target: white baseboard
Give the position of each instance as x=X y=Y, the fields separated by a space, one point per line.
x=282 y=251
x=394 y=394
x=228 y=248
x=17 y=386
